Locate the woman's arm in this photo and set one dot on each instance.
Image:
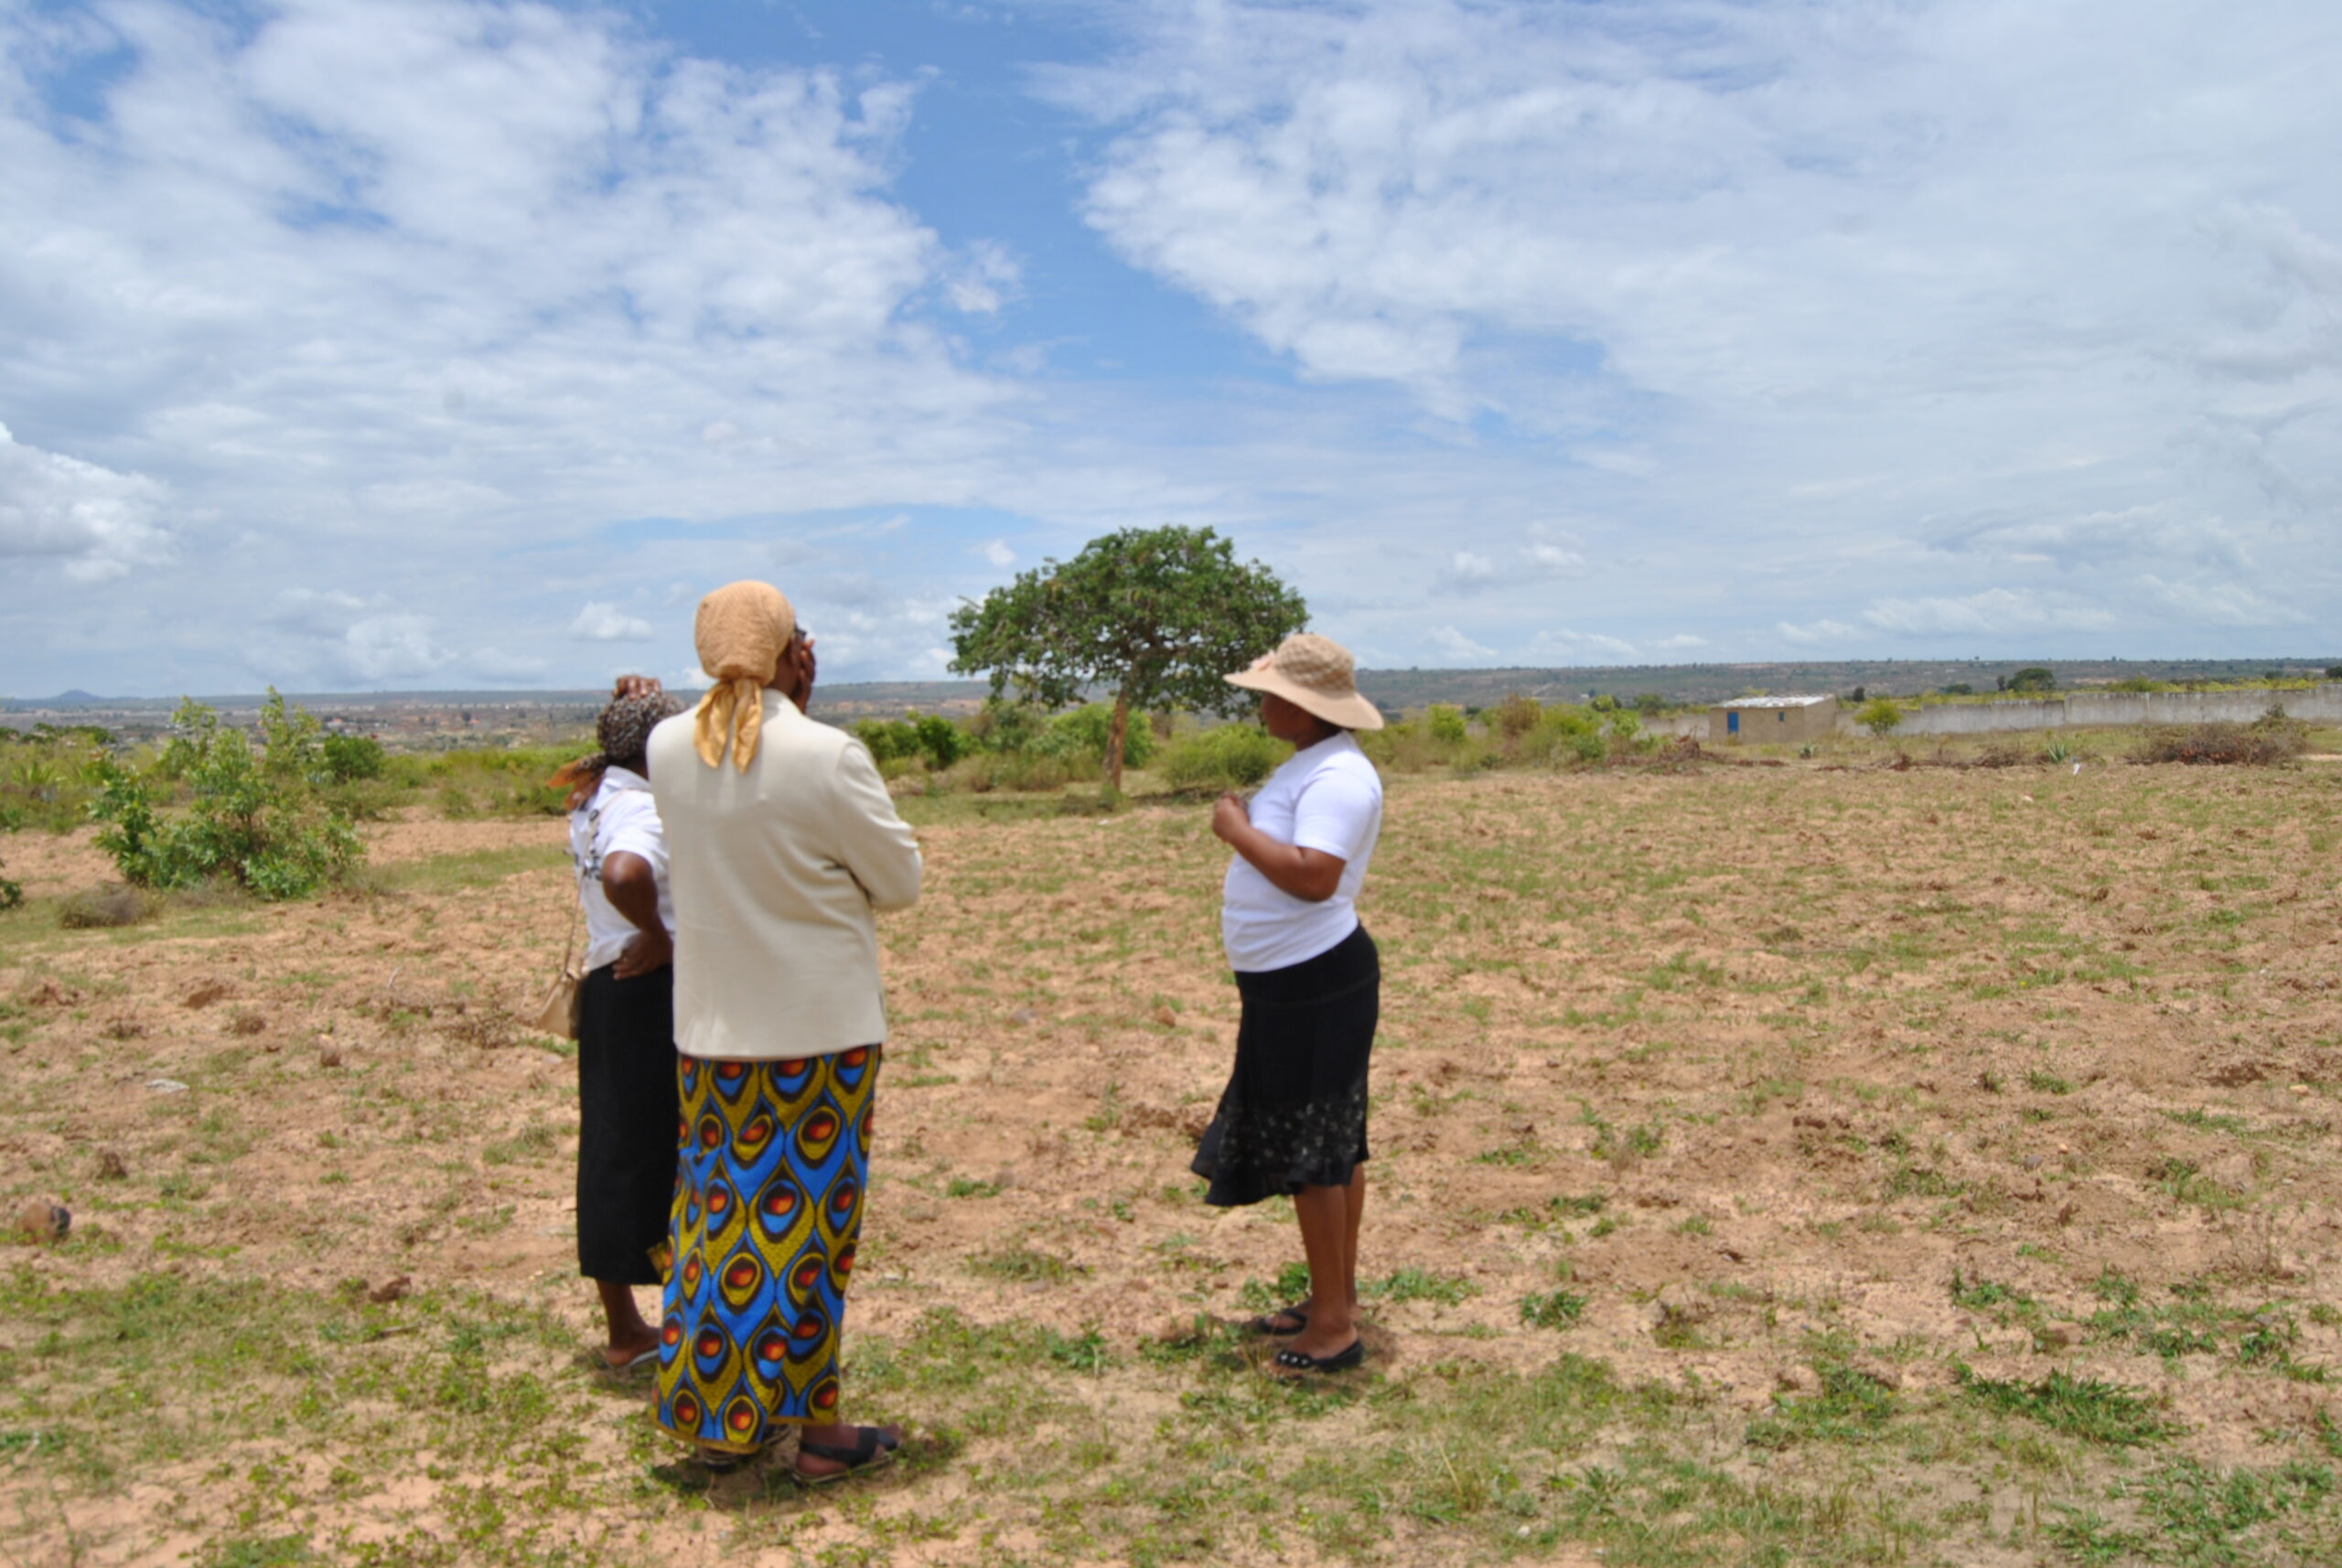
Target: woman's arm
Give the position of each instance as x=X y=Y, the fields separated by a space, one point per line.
x=632 y=888
x=1310 y=875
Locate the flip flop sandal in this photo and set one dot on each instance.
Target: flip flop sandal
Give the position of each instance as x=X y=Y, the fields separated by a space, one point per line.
x=632 y=1362
x=873 y=1449
x=1292 y=1360
x=1267 y=1322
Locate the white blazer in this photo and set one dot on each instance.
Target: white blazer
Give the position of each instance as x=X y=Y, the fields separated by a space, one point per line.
x=777 y=874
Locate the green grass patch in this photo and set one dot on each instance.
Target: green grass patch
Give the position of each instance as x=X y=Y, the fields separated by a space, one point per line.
x=2086 y=1408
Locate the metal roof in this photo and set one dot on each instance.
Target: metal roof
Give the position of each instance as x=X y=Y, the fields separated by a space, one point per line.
x=1775 y=701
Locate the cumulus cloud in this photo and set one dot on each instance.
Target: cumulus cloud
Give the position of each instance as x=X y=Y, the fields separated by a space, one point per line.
x=603 y=622
x=414 y=283
x=98 y=523
x=1453 y=644
x=1812 y=632
x=1466 y=571
x=1795 y=278
x=1580 y=647
x=2220 y=604
x=997 y=551
x=1994 y=611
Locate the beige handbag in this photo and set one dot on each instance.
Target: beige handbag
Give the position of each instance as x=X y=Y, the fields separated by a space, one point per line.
x=558 y=1016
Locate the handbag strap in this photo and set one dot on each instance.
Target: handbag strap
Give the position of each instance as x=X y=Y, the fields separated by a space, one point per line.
x=569 y=946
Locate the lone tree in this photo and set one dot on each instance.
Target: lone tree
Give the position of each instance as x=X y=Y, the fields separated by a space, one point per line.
x=1159 y=614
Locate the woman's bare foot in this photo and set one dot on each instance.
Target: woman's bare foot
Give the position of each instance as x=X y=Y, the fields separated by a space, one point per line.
x=618 y=1355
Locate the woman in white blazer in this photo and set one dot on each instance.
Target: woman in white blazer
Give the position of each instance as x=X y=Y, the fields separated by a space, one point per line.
x=783 y=845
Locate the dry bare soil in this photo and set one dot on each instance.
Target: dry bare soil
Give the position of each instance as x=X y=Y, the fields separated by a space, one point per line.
x=1772 y=1165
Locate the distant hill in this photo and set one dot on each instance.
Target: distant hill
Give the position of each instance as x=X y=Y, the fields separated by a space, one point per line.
x=1394 y=689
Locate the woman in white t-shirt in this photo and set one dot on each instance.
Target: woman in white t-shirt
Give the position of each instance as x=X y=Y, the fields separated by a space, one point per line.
x=1292 y=1117
x=627 y=1098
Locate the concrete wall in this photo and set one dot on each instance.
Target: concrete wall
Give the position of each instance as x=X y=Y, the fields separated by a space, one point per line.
x=1774 y=726
x=2321 y=703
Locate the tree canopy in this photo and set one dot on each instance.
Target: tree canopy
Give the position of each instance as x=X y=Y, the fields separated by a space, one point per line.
x=1158 y=614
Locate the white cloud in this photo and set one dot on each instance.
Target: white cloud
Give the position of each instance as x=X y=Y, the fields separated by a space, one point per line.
x=602 y=622
x=391 y=648
x=1553 y=561
x=1681 y=642
x=408 y=284
x=997 y=551
x=1994 y=611
x=1450 y=643
x=1466 y=571
x=2209 y=604
x=99 y=523
x=1813 y=632
x=1578 y=647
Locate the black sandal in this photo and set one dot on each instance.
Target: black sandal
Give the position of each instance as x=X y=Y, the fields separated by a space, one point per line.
x=1292 y=1360
x=723 y=1461
x=1267 y=1322
x=874 y=1447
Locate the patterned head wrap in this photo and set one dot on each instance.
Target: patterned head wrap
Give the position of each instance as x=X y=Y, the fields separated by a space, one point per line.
x=623 y=729
x=742 y=630
x=623 y=732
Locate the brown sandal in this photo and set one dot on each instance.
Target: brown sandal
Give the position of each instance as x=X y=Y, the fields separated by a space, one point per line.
x=874 y=1448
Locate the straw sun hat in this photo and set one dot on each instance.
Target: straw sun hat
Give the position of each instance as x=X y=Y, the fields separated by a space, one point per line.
x=1315 y=674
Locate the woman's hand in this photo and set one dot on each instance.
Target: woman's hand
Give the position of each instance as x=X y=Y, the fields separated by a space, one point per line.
x=632 y=888
x=644 y=952
x=1310 y=875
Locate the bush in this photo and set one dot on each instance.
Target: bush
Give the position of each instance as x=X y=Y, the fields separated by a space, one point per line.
x=1563 y=734
x=350 y=757
x=1083 y=732
x=1445 y=725
x=1228 y=757
x=1879 y=716
x=2333 y=673
x=2032 y=678
x=253 y=817
x=1515 y=716
x=2267 y=741
x=930 y=737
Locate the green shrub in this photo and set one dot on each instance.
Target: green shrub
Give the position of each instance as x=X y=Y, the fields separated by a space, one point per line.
x=350 y=757
x=1084 y=730
x=1564 y=734
x=930 y=737
x=1879 y=716
x=1226 y=756
x=253 y=817
x=1445 y=725
x=1515 y=716
x=2033 y=678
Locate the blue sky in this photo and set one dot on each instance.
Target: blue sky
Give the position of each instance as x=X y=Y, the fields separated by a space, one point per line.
x=350 y=345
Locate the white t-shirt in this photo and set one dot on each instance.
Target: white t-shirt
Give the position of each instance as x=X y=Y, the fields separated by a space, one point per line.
x=620 y=816
x=1327 y=798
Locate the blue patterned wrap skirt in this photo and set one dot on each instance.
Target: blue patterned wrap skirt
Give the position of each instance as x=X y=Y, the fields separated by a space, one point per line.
x=775 y=1156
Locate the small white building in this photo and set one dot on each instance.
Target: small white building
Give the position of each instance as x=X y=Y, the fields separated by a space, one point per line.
x=1773 y=720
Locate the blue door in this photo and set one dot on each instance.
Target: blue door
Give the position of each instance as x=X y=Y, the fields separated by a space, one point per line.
x=1732 y=723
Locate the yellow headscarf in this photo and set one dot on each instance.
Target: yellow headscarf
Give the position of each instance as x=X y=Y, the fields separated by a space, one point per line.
x=742 y=630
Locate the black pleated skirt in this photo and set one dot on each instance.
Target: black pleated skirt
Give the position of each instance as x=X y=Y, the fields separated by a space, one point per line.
x=1293 y=1112
x=628 y=1122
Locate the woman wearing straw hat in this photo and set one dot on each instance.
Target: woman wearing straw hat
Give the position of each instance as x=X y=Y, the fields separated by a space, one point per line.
x=1293 y=1118
x=783 y=845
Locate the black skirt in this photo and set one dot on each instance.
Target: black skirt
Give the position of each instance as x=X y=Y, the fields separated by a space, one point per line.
x=628 y=1122
x=1293 y=1112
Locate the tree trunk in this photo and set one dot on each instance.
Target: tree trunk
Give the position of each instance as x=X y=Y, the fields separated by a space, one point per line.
x=1115 y=733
